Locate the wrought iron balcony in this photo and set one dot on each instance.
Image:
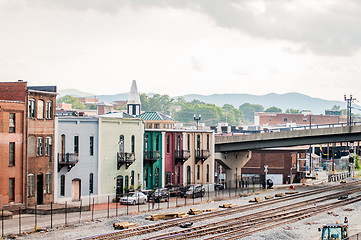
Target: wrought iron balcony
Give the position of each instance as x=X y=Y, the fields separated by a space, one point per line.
x=125 y=158
x=151 y=156
x=181 y=156
x=202 y=155
x=67 y=159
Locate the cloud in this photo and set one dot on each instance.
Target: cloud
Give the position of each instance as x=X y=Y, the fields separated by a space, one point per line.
x=196 y=64
x=323 y=27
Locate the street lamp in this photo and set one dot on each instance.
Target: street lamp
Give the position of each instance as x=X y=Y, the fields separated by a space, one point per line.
x=197 y=119
x=349 y=101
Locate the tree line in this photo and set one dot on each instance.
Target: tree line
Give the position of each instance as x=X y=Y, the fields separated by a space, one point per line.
x=184 y=111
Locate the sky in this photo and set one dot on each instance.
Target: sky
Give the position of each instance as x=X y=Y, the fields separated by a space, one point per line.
x=179 y=47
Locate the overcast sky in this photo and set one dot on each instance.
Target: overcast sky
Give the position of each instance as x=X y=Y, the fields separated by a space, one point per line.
x=178 y=47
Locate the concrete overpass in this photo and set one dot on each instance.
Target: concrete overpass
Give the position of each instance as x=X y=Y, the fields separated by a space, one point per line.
x=288 y=138
x=233 y=152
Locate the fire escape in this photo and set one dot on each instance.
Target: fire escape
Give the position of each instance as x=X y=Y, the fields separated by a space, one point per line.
x=124 y=158
x=67 y=160
x=151 y=156
x=181 y=156
x=202 y=155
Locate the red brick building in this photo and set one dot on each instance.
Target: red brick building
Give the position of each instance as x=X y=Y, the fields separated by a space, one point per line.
x=279 y=162
x=277 y=119
x=38 y=160
x=12 y=153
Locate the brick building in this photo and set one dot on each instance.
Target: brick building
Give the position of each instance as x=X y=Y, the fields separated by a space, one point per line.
x=279 y=119
x=38 y=131
x=12 y=153
x=281 y=163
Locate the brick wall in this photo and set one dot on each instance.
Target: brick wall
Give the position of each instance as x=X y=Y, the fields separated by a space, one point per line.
x=13 y=91
x=274 y=119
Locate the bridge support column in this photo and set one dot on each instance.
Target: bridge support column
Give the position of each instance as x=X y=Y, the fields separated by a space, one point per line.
x=233 y=163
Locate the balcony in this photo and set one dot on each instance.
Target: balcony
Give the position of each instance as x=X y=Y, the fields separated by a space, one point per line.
x=125 y=158
x=181 y=156
x=202 y=155
x=151 y=156
x=67 y=160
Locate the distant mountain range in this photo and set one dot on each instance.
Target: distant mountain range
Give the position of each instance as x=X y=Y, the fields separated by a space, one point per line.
x=284 y=101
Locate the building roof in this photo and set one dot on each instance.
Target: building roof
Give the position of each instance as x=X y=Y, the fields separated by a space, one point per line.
x=133 y=97
x=154 y=116
x=116 y=115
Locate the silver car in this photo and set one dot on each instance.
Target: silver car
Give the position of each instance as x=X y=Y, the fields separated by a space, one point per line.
x=134 y=198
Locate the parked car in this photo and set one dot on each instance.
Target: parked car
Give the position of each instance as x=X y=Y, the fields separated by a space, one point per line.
x=196 y=191
x=159 y=194
x=134 y=198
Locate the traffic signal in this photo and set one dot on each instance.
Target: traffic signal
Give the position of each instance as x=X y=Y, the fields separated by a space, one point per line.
x=350 y=160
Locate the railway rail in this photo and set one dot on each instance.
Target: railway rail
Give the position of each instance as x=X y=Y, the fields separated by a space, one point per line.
x=353 y=186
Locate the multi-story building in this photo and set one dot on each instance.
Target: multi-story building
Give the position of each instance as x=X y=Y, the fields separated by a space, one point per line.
x=289 y=119
x=120 y=154
x=76 y=167
x=12 y=151
x=38 y=161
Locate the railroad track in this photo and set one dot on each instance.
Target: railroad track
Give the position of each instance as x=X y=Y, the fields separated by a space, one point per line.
x=175 y=222
x=247 y=222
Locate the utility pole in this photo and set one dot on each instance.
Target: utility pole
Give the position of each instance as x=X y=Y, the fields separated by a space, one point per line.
x=349 y=102
x=265 y=174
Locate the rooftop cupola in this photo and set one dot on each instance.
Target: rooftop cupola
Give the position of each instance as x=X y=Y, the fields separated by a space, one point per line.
x=133 y=104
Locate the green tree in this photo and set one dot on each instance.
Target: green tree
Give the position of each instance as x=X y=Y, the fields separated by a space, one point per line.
x=336 y=107
x=273 y=110
x=249 y=109
x=75 y=102
x=294 y=111
x=92 y=107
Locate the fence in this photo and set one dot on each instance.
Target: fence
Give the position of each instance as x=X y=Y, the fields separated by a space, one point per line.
x=338 y=176
x=40 y=219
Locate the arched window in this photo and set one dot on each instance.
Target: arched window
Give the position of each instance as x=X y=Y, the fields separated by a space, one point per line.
x=189 y=142
x=157 y=142
x=168 y=142
x=157 y=177
x=146 y=142
x=40 y=109
x=132 y=178
x=91 y=183
x=168 y=178
x=121 y=145
x=62 y=185
x=198 y=172
x=48 y=148
x=31 y=108
x=133 y=144
x=126 y=182
x=208 y=142
x=49 y=110
x=48 y=183
x=178 y=142
x=31 y=185
x=188 y=175
x=207 y=172
x=178 y=174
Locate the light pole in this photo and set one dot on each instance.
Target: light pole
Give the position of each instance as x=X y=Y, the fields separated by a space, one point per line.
x=349 y=101
x=197 y=119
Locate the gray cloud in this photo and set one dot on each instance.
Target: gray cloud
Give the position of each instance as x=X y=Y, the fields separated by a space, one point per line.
x=332 y=30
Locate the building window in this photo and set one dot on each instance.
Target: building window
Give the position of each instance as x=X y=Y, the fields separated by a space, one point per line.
x=91 y=145
x=157 y=184
x=91 y=184
x=126 y=182
x=121 y=145
x=40 y=110
x=149 y=125
x=285 y=119
x=188 y=175
x=49 y=109
x=167 y=143
x=31 y=185
x=76 y=144
x=207 y=173
x=62 y=185
x=11 y=154
x=133 y=144
x=48 y=146
x=208 y=142
x=31 y=108
x=198 y=172
x=156 y=125
x=40 y=146
x=48 y=183
x=157 y=142
x=198 y=143
x=146 y=141
x=168 y=178
x=11 y=189
x=178 y=142
x=304 y=119
x=178 y=174
x=188 y=142
x=11 y=122
x=132 y=178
